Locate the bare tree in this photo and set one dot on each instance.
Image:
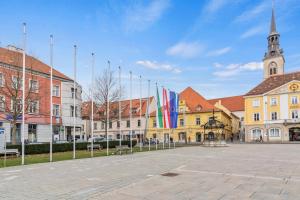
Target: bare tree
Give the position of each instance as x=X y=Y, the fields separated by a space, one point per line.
x=11 y=94
x=106 y=91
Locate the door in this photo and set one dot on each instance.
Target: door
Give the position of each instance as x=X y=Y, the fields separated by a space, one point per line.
x=198 y=137
x=294 y=134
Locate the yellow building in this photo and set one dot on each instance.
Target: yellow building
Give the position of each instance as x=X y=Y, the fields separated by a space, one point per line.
x=194 y=112
x=272 y=108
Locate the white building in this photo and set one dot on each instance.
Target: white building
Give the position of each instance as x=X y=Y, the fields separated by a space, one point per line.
x=137 y=125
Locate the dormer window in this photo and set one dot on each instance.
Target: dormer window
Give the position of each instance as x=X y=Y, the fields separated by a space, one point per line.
x=198 y=108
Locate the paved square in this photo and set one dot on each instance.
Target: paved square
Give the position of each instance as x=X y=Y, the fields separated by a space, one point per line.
x=241 y=171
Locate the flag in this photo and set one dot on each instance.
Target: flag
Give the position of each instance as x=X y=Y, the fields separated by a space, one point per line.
x=174 y=103
x=159 y=116
x=166 y=109
x=172 y=109
x=176 y=110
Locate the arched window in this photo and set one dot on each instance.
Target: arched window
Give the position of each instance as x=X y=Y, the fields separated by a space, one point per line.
x=256 y=133
x=274 y=132
x=273 y=68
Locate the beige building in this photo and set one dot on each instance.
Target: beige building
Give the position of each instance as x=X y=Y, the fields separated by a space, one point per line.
x=272 y=108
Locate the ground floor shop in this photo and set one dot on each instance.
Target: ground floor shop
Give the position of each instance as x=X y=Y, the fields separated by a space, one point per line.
x=273 y=133
x=39 y=133
x=189 y=135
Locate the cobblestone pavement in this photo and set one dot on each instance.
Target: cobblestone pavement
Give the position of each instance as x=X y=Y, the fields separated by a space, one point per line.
x=240 y=171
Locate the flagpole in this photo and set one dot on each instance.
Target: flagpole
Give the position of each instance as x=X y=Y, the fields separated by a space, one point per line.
x=51 y=95
x=170 y=120
x=141 y=113
x=163 y=116
x=23 y=94
x=130 y=111
x=74 y=103
x=107 y=103
x=157 y=117
x=148 y=112
x=120 y=89
x=92 y=96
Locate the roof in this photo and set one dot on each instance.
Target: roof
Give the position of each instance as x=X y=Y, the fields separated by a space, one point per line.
x=86 y=108
x=234 y=103
x=193 y=100
x=114 y=108
x=15 y=57
x=273 y=82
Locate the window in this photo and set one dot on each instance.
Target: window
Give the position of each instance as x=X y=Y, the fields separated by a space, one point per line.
x=55 y=91
x=273 y=101
x=139 y=123
x=1 y=80
x=198 y=122
x=294 y=100
x=33 y=107
x=16 y=105
x=181 y=122
x=56 y=111
x=102 y=125
x=72 y=91
x=256 y=116
x=2 y=103
x=256 y=103
x=256 y=133
x=154 y=123
x=127 y=123
x=118 y=124
x=32 y=132
x=110 y=124
x=274 y=115
x=33 y=85
x=274 y=132
x=17 y=83
x=72 y=111
x=294 y=114
x=95 y=126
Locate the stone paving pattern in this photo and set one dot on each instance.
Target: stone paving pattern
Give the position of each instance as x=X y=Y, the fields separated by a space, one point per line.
x=240 y=171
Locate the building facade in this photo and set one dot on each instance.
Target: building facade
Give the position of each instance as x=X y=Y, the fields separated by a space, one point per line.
x=272 y=108
x=37 y=101
x=235 y=107
x=194 y=113
x=137 y=125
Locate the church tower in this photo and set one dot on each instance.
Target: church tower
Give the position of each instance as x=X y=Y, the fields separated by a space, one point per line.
x=274 y=59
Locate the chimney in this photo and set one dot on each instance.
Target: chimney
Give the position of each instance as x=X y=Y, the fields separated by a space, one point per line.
x=14 y=48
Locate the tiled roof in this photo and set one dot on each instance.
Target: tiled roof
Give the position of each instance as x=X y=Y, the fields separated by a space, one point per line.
x=86 y=108
x=114 y=108
x=234 y=103
x=15 y=58
x=273 y=82
x=194 y=101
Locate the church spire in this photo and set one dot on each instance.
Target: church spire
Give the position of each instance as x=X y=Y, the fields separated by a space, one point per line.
x=273 y=23
x=273 y=59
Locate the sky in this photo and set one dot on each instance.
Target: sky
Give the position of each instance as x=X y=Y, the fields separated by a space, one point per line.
x=213 y=46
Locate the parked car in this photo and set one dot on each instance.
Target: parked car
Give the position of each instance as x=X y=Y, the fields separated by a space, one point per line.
x=97 y=139
x=152 y=141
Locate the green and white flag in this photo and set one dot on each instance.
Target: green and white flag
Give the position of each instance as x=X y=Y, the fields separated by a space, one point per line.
x=159 y=116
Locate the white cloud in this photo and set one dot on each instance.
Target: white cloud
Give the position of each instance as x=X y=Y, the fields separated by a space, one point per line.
x=139 y=17
x=215 y=5
x=235 y=69
x=253 y=31
x=254 y=12
x=217 y=65
x=219 y=52
x=185 y=49
x=158 y=66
